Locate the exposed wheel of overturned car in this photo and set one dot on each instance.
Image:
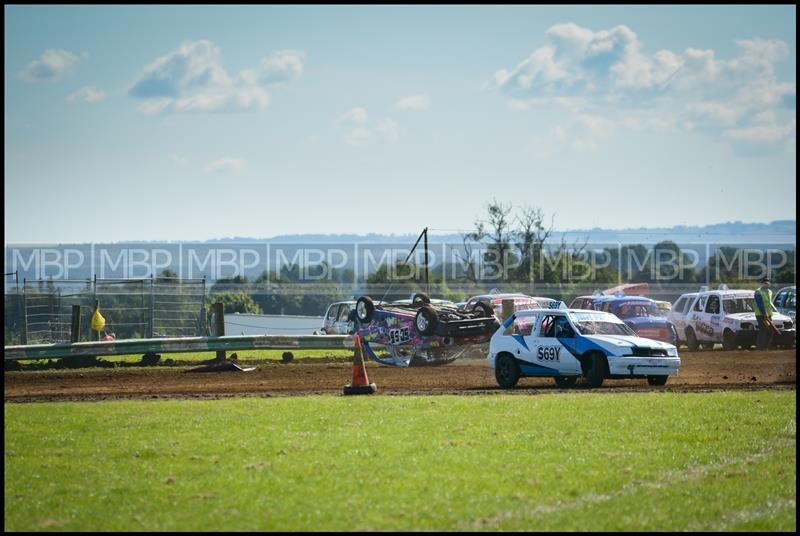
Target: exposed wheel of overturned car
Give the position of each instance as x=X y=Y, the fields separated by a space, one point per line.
x=426 y=320
x=364 y=309
x=483 y=309
x=419 y=299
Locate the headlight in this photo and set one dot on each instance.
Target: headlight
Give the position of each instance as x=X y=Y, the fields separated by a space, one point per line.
x=672 y=352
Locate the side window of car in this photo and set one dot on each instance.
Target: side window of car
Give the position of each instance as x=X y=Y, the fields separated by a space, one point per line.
x=700 y=304
x=547 y=328
x=564 y=328
x=679 y=304
x=332 y=312
x=712 y=306
x=778 y=301
x=523 y=325
x=344 y=312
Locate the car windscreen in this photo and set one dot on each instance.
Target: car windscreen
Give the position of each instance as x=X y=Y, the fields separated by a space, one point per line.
x=738 y=304
x=599 y=324
x=634 y=308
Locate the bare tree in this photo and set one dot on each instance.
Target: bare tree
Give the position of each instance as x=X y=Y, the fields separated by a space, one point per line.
x=495 y=228
x=530 y=235
x=467 y=257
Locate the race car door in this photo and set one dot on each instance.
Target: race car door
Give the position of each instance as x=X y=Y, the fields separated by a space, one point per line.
x=554 y=343
x=697 y=319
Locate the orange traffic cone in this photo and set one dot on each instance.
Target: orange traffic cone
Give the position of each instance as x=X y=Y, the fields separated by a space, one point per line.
x=360 y=385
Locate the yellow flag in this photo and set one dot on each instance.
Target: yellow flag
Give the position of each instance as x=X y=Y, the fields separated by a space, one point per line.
x=98 y=322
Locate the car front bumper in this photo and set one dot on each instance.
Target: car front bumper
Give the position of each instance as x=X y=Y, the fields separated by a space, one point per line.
x=631 y=367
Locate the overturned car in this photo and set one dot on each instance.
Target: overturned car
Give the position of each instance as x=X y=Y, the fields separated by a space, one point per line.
x=421 y=332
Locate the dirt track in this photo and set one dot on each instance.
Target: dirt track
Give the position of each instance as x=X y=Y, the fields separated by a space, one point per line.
x=700 y=371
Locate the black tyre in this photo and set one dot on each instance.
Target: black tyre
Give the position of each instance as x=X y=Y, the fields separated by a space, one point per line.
x=675 y=339
x=364 y=309
x=506 y=371
x=426 y=320
x=691 y=340
x=595 y=369
x=483 y=309
x=728 y=340
x=657 y=380
x=566 y=381
x=419 y=299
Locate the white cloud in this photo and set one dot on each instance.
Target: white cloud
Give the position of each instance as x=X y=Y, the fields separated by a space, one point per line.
x=718 y=112
x=227 y=164
x=356 y=116
x=357 y=131
x=193 y=79
x=87 y=94
x=762 y=133
x=414 y=102
x=609 y=68
x=282 y=66
x=579 y=61
x=53 y=64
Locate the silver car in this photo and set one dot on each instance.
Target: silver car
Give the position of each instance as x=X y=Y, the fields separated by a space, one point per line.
x=338 y=320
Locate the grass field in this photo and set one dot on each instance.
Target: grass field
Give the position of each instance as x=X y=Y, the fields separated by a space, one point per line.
x=572 y=461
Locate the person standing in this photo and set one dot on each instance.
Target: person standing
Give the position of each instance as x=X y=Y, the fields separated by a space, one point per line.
x=764 y=311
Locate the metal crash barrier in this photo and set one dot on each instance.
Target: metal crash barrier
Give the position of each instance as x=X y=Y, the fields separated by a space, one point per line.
x=181 y=344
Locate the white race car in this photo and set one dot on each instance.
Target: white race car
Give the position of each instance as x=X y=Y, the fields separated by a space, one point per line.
x=679 y=313
x=568 y=343
x=727 y=316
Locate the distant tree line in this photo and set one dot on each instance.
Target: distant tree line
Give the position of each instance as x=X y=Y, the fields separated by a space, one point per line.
x=508 y=248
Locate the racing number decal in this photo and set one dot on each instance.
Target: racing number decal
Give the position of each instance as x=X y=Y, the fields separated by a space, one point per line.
x=396 y=336
x=548 y=353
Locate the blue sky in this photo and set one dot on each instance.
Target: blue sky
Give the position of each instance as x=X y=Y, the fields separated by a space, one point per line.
x=194 y=123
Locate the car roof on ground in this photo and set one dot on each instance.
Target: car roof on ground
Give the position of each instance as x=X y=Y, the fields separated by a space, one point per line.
x=434 y=301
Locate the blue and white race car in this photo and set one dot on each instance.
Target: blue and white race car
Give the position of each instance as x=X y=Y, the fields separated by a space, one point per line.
x=568 y=343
